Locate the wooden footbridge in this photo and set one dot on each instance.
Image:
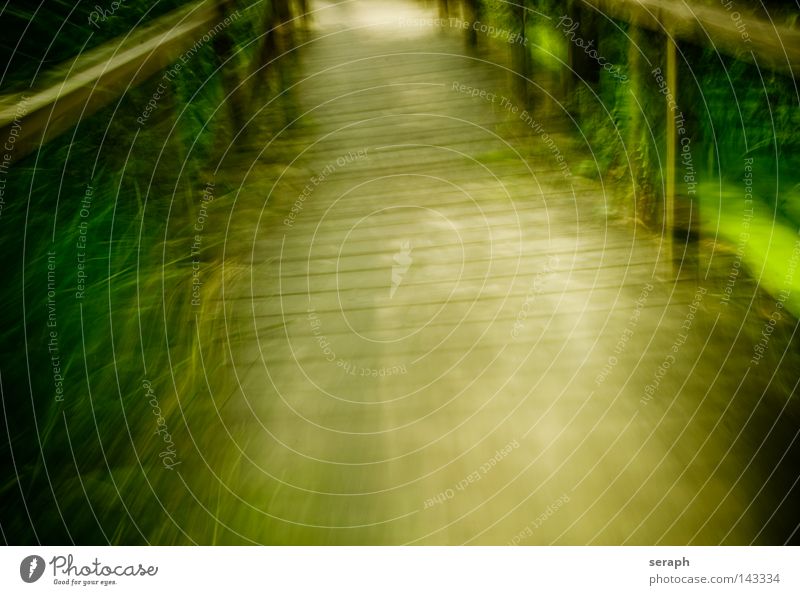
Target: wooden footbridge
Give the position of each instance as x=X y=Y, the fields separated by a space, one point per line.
x=402 y=315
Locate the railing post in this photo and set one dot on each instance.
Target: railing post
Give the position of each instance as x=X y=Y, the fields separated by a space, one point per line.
x=276 y=41
x=521 y=55
x=578 y=27
x=231 y=82
x=671 y=149
x=444 y=9
x=633 y=139
x=470 y=16
x=583 y=20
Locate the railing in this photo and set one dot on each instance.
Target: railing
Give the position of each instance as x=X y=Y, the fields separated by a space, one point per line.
x=746 y=38
x=673 y=23
x=95 y=79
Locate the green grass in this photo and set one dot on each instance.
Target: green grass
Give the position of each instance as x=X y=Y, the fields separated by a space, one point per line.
x=766 y=242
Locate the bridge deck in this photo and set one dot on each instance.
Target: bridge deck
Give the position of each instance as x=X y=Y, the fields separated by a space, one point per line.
x=416 y=353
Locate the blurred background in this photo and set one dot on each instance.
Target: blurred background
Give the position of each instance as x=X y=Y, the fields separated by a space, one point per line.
x=399 y=272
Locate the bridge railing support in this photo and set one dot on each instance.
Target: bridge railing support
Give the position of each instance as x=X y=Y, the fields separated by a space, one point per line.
x=99 y=77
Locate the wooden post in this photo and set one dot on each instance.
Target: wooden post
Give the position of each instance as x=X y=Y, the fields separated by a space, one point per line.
x=583 y=70
x=231 y=82
x=671 y=142
x=584 y=19
x=521 y=55
x=276 y=40
x=633 y=138
x=267 y=50
x=470 y=16
x=303 y=8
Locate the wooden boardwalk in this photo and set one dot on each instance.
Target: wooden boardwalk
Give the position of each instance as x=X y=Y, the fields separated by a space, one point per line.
x=419 y=330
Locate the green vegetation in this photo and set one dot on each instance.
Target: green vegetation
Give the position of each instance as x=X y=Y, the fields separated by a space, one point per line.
x=98 y=228
x=39 y=35
x=96 y=234
x=729 y=111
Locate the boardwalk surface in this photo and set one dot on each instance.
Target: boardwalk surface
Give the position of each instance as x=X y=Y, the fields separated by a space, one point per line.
x=423 y=329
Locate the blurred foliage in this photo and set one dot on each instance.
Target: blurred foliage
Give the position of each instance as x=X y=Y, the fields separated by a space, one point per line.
x=39 y=34
x=733 y=110
x=141 y=208
x=145 y=187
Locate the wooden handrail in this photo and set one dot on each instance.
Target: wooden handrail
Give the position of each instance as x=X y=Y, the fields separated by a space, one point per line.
x=82 y=86
x=748 y=38
x=91 y=81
